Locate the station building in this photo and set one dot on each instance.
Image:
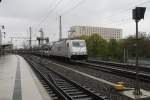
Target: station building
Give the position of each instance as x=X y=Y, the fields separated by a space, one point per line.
x=105 y=33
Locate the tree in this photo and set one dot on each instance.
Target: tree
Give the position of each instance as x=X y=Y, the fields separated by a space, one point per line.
x=112 y=48
x=115 y=49
x=144 y=46
x=96 y=45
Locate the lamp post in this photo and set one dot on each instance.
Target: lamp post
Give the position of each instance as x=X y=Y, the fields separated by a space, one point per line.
x=138 y=14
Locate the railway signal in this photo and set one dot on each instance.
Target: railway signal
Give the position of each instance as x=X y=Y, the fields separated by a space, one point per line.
x=137 y=14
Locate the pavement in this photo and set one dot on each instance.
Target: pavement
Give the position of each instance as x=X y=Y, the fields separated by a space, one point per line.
x=18 y=81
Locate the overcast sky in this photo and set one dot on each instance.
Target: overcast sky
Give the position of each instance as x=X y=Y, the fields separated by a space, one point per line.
x=19 y=15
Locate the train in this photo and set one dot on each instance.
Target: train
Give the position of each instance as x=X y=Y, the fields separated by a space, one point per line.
x=68 y=48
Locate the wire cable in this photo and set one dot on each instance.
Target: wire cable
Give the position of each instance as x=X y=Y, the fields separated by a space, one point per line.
x=128 y=9
x=74 y=7
x=50 y=11
x=45 y=17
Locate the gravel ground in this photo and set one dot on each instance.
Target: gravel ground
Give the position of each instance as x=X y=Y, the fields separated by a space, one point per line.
x=102 y=88
x=108 y=76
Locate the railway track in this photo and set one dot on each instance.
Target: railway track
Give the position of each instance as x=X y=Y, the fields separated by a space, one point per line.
x=61 y=88
x=115 y=70
x=120 y=65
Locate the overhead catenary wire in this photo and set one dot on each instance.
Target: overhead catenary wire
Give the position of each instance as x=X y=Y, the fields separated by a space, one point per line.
x=46 y=16
x=81 y=2
x=126 y=20
x=77 y=5
x=129 y=9
x=72 y=8
x=49 y=13
x=51 y=10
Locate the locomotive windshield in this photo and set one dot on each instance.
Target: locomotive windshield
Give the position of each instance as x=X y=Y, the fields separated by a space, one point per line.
x=78 y=44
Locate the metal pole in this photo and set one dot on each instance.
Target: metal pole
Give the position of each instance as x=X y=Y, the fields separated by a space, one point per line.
x=127 y=55
x=0 y=42
x=137 y=86
x=60 y=28
x=0 y=37
x=124 y=55
x=42 y=36
x=30 y=29
x=11 y=39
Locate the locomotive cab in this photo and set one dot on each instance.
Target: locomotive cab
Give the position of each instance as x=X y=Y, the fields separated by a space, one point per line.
x=78 y=49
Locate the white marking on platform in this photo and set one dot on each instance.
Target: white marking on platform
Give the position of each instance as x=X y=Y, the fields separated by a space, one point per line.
x=84 y=74
x=29 y=87
x=129 y=93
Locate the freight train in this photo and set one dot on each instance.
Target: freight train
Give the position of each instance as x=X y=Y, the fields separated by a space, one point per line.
x=67 y=48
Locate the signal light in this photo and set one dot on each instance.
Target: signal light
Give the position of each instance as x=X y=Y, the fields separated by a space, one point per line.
x=138 y=13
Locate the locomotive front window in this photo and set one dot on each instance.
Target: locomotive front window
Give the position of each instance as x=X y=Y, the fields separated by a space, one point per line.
x=78 y=44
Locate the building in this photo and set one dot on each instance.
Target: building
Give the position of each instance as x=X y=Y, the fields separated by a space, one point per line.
x=105 y=33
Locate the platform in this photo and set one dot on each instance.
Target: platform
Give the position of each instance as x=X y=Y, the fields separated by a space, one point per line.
x=18 y=81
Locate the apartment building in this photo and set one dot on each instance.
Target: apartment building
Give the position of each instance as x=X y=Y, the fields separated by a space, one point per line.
x=105 y=33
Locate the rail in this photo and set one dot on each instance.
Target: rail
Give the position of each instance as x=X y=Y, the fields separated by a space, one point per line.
x=115 y=70
x=67 y=89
